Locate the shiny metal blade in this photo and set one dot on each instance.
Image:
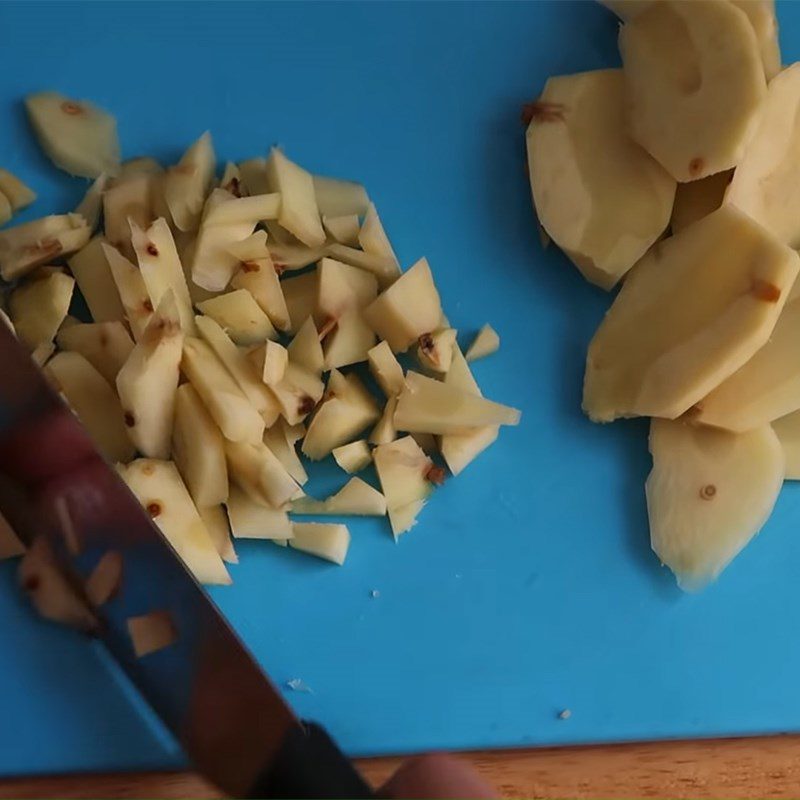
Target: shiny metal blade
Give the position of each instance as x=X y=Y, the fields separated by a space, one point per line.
x=206 y=686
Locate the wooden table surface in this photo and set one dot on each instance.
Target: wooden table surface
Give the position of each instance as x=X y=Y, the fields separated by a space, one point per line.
x=733 y=768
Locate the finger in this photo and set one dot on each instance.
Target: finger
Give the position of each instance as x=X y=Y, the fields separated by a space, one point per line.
x=437 y=776
x=83 y=501
x=44 y=448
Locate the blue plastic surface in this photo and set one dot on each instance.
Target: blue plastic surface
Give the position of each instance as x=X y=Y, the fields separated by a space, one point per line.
x=528 y=585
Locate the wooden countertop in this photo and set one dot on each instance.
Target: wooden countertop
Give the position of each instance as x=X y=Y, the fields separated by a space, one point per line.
x=734 y=768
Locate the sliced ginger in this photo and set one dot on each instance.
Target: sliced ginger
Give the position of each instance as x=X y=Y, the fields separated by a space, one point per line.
x=276 y=360
x=129 y=200
x=198 y=450
x=344 y=229
x=708 y=494
x=105 y=345
x=353 y=457
x=77 y=136
x=33 y=244
x=355 y=498
x=148 y=381
x=760 y=14
x=280 y=440
x=461 y=449
x=766 y=183
x=403 y=470
x=161 y=270
x=253 y=520
x=94 y=401
x=221 y=395
x=158 y=486
x=484 y=344
x=216 y=521
x=695 y=83
x=430 y=406
x=767 y=386
x=17 y=194
x=409 y=308
x=787 y=429
x=132 y=291
x=386 y=369
x=241 y=317
x=695 y=309
x=435 y=350
x=219 y=405
x=336 y=197
x=240 y=368
x=347 y=411
x=227 y=221
x=186 y=184
x=299 y=213
x=259 y=277
x=603 y=212
x=258 y=471
x=324 y=540
x=39 y=307
x=92 y=271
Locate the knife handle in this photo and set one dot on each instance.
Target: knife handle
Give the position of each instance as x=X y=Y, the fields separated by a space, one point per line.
x=310 y=765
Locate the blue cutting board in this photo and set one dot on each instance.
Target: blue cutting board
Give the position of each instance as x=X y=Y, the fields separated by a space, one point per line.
x=528 y=585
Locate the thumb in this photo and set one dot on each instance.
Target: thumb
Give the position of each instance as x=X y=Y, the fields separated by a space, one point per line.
x=437 y=776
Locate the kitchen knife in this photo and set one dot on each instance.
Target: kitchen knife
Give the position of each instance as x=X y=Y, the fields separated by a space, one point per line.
x=206 y=686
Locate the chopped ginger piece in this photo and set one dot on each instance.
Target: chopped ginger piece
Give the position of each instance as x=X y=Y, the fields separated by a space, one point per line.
x=78 y=137
x=353 y=457
x=485 y=343
x=323 y=540
x=151 y=632
x=356 y=497
x=16 y=192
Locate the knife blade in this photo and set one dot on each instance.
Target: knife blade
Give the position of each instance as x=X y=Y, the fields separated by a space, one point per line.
x=206 y=686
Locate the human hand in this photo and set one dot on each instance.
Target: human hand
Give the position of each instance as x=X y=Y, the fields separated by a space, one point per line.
x=48 y=459
x=437 y=776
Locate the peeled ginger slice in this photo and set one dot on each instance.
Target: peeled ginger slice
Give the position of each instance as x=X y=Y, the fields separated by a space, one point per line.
x=766 y=184
x=709 y=493
x=486 y=342
x=605 y=212
x=694 y=310
x=356 y=497
x=694 y=84
x=324 y=540
x=77 y=136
